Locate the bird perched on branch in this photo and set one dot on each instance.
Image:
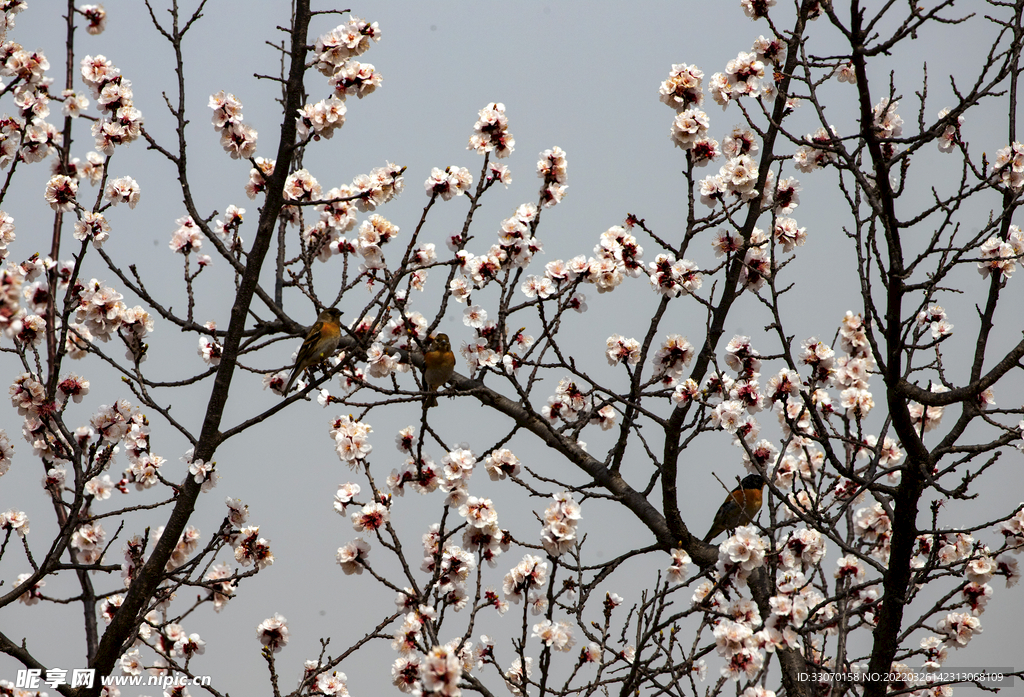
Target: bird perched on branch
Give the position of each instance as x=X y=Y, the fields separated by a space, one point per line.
x=740 y=507
x=321 y=341
x=438 y=366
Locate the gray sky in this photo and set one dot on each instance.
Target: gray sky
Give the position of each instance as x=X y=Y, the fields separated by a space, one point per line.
x=582 y=77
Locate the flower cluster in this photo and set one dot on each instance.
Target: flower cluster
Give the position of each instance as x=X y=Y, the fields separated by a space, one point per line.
x=551 y=167
x=479 y=512
x=874 y=528
x=273 y=632
x=951 y=133
x=498 y=173
x=96 y=17
x=121 y=122
x=678 y=570
x=927 y=418
x=517 y=674
x=672 y=357
x=757 y=262
x=237 y=139
x=490 y=132
x=791 y=609
x=788 y=234
x=355 y=78
x=343 y=42
x=771 y=51
x=453 y=566
x=322 y=119
x=819 y=151
x=617 y=255
x=251 y=549
x=92 y=227
x=515 y=248
x=220 y=579
x=734 y=641
x=7 y=235
x=201 y=471
x=14 y=520
x=258 y=176
x=756 y=9
x=335 y=51
x=502 y=463
x=622 y=349
x=400 y=330
x=352 y=556
x=1009 y=166
x=959 y=628
x=74 y=105
x=567 y=402
x=144 y=465
x=1001 y=256
x=934 y=318
x=373 y=232
x=187 y=543
x=560 y=520
x=123 y=190
x=737 y=618
x=887 y=124
x=380 y=363
x=737 y=177
x=187 y=238
x=226 y=228
x=527 y=580
x=61 y=191
x=302 y=186
x=742 y=78
x=422 y=668
x=683 y=88
x=351 y=439
x=370 y=517
x=6 y=452
x=689 y=128
x=448 y=183
x=379 y=186
x=30 y=131
x=741 y=553
x=456 y=469
x=30 y=596
x=1012 y=529
x=672 y=278
x=424 y=476
x=558 y=635
x=437 y=672
x=100 y=488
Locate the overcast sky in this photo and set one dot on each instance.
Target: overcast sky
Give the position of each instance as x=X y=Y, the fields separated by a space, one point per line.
x=580 y=76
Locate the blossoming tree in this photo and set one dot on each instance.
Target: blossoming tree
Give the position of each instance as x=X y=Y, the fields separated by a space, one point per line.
x=869 y=443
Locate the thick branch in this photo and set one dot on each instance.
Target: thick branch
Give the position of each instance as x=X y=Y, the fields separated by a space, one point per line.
x=128 y=616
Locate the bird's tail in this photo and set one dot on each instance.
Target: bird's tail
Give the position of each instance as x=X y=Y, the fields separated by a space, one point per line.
x=430 y=401
x=291 y=381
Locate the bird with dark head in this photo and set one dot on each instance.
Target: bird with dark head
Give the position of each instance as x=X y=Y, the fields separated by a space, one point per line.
x=321 y=341
x=740 y=507
x=438 y=366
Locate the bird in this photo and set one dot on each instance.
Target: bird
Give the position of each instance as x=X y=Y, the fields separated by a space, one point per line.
x=439 y=364
x=321 y=341
x=740 y=507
